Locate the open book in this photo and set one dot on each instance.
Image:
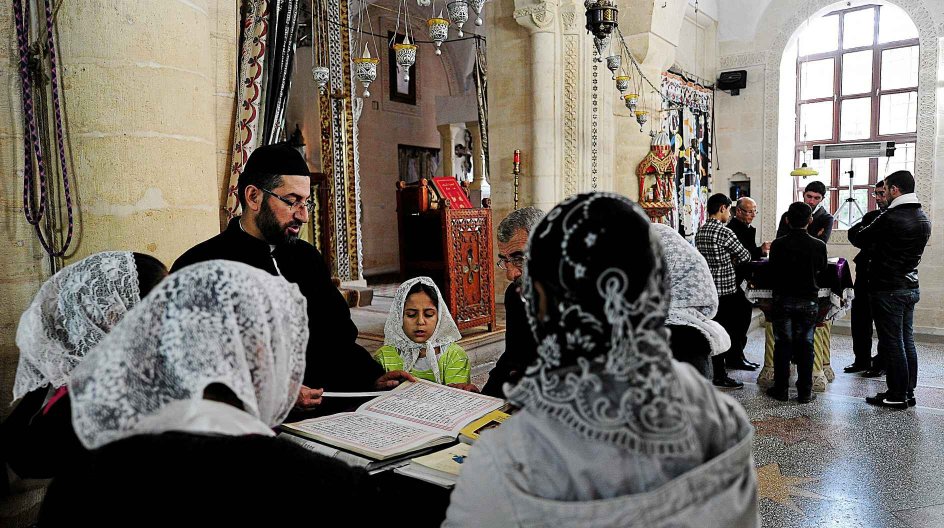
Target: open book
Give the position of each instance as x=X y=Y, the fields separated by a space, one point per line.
x=440 y=468
x=412 y=417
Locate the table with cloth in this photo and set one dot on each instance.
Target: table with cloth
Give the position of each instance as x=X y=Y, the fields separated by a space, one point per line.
x=835 y=297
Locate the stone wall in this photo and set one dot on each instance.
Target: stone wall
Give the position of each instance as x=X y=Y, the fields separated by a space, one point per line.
x=147 y=90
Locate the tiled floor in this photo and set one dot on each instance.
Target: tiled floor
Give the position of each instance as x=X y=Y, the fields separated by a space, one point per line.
x=840 y=462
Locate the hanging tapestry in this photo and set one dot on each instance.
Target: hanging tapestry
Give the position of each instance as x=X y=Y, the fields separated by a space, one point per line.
x=688 y=125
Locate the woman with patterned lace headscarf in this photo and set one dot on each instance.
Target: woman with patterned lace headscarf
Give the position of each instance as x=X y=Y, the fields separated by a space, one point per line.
x=694 y=336
x=420 y=336
x=72 y=312
x=607 y=416
x=178 y=403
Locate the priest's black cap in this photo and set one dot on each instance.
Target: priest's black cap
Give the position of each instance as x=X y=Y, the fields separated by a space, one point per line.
x=278 y=158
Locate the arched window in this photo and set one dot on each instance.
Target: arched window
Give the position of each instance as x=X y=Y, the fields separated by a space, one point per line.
x=857 y=80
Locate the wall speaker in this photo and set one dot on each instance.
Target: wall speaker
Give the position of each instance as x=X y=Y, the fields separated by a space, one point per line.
x=734 y=80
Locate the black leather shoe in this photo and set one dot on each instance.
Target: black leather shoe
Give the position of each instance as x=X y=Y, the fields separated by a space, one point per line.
x=741 y=365
x=856 y=367
x=911 y=400
x=873 y=373
x=882 y=400
x=727 y=383
x=806 y=397
x=778 y=394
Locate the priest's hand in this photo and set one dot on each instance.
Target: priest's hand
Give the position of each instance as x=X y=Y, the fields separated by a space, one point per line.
x=765 y=248
x=465 y=386
x=392 y=379
x=308 y=398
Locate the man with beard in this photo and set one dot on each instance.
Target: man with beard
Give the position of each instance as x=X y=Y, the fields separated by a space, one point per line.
x=274 y=193
x=520 y=348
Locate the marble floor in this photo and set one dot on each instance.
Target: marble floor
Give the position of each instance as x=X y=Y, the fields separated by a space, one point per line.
x=839 y=462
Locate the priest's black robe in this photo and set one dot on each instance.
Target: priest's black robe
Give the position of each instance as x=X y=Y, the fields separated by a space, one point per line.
x=520 y=348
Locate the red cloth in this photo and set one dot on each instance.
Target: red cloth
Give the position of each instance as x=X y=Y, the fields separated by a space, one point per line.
x=60 y=392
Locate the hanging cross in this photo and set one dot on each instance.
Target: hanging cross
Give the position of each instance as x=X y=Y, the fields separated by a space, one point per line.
x=470 y=267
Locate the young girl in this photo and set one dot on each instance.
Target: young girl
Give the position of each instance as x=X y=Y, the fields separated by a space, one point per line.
x=420 y=336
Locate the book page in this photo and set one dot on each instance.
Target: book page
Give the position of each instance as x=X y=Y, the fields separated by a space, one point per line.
x=364 y=434
x=448 y=460
x=433 y=407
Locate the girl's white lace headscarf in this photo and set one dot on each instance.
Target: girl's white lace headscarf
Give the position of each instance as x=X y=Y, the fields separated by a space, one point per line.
x=694 y=296
x=445 y=334
x=72 y=312
x=604 y=366
x=213 y=322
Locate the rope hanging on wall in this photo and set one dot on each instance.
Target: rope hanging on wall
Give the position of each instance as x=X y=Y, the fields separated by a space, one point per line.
x=37 y=148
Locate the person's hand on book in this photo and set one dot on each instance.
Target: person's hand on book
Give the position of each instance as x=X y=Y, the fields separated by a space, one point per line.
x=308 y=398
x=393 y=378
x=465 y=386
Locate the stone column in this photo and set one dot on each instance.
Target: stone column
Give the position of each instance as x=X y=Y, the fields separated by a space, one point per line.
x=478 y=164
x=543 y=160
x=447 y=149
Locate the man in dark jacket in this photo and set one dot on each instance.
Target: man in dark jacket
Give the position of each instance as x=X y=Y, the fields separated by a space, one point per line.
x=861 y=312
x=744 y=212
x=795 y=260
x=896 y=238
x=274 y=192
x=520 y=348
x=822 y=225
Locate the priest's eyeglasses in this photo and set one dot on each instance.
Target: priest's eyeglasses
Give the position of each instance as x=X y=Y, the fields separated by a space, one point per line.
x=293 y=205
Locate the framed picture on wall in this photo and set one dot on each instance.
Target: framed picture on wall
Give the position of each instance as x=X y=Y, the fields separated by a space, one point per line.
x=401 y=91
x=417 y=162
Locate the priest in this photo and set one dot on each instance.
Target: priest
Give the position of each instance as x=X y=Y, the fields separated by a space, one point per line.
x=275 y=196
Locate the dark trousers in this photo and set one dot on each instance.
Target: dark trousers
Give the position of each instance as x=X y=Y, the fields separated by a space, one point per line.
x=862 y=328
x=794 y=321
x=690 y=346
x=734 y=315
x=893 y=312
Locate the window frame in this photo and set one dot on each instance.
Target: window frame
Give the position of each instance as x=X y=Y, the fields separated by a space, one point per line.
x=875 y=94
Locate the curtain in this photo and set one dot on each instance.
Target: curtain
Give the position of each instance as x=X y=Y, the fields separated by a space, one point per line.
x=280 y=55
x=480 y=72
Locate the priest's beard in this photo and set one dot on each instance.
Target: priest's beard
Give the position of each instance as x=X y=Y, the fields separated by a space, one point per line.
x=272 y=231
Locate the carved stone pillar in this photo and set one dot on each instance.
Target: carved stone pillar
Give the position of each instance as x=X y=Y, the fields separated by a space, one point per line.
x=478 y=164
x=447 y=149
x=539 y=19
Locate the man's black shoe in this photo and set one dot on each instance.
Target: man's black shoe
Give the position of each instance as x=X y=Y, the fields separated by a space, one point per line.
x=741 y=365
x=727 y=383
x=873 y=373
x=882 y=400
x=778 y=394
x=911 y=400
x=856 y=367
x=806 y=397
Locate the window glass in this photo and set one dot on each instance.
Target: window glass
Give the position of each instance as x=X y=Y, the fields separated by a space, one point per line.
x=816 y=79
x=898 y=113
x=856 y=73
x=894 y=25
x=904 y=159
x=900 y=68
x=858 y=28
x=816 y=121
x=855 y=118
x=820 y=35
x=860 y=169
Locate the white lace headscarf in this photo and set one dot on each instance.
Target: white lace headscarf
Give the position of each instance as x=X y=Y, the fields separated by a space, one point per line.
x=72 y=312
x=212 y=322
x=694 y=296
x=604 y=366
x=445 y=334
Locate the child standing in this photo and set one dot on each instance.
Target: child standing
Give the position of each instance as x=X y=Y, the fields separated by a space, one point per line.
x=420 y=336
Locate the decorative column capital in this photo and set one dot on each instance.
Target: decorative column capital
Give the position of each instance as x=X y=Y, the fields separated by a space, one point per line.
x=536 y=17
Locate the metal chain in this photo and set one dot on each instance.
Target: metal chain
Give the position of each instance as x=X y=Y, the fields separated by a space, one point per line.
x=594 y=126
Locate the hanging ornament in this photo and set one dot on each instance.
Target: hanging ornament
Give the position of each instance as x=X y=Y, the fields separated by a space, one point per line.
x=321 y=74
x=641 y=117
x=601 y=44
x=365 y=70
x=424 y=3
x=631 y=100
x=438 y=31
x=458 y=13
x=613 y=63
x=477 y=7
x=406 y=56
x=622 y=83
x=601 y=17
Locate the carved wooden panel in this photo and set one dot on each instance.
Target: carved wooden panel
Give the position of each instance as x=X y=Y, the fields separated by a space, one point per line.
x=470 y=292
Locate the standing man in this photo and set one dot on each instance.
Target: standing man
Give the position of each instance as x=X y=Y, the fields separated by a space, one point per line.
x=822 y=225
x=274 y=192
x=795 y=260
x=745 y=211
x=722 y=251
x=861 y=312
x=520 y=348
x=897 y=238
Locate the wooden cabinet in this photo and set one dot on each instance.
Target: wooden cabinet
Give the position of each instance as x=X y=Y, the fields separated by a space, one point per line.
x=451 y=246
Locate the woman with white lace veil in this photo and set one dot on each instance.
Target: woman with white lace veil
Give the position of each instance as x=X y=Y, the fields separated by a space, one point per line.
x=420 y=336
x=694 y=336
x=70 y=314
x=607 y=416
x=178 y=403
